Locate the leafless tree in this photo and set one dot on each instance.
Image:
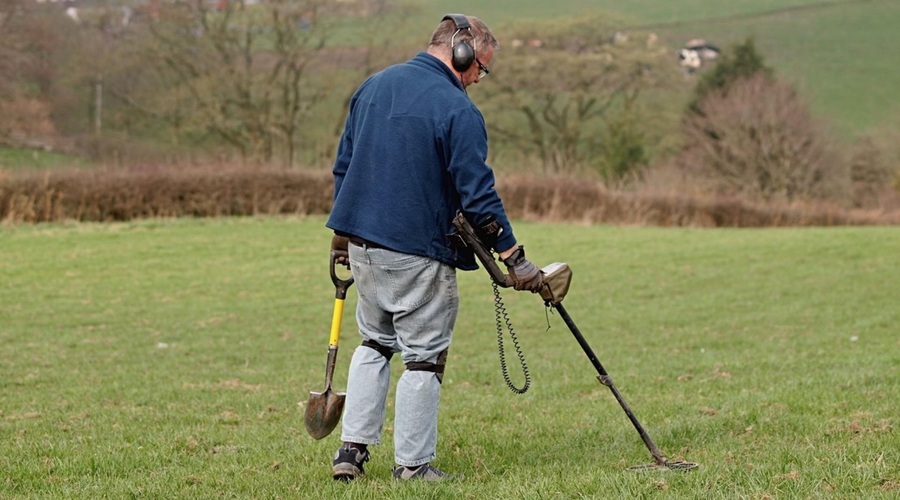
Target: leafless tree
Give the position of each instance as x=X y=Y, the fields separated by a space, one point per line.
x=32 y=39
x=560 y=85
x=759 y=139
x=239 y=72
x=262 y=79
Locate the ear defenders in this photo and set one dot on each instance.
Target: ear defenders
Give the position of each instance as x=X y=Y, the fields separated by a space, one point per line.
x=463 y=54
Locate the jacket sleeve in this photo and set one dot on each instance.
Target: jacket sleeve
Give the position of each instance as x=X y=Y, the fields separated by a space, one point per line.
x=474 y=178
x=344 y=153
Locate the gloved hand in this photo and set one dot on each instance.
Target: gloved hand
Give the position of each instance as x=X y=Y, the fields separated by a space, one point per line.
x=525 y=275
x=339 y=250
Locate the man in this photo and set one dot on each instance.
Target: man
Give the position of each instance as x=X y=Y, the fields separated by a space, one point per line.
x=411 y=156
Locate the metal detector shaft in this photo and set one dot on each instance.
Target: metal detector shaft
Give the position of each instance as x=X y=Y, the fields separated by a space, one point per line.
x=606 y=380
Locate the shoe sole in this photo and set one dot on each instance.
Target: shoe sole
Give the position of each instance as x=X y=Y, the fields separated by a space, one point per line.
x=345 y=472
x=429 y=477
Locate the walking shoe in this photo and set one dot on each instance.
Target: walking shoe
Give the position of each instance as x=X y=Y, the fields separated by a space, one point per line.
x=425 y=472
x=348 y=463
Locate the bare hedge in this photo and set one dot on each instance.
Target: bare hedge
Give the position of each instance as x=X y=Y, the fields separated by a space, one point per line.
x=122 y=195
x=125 y=195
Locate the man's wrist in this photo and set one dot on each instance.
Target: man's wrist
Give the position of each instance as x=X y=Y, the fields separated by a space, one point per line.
x=507 y=253
x=515 y=257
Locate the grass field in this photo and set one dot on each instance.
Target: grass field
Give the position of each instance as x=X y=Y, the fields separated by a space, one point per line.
x=840 y=53
x=13 y=158
x=167 y=358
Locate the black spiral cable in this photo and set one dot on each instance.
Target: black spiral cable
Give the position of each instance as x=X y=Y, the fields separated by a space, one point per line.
x=503 y=318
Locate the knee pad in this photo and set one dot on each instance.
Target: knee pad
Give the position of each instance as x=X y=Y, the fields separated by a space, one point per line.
x=436 y=368
x=384 y=351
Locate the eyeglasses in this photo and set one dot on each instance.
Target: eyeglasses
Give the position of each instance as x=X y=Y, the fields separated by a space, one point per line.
x=482 y=71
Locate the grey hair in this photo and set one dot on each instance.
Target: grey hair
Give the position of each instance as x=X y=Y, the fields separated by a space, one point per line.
x=479 y=35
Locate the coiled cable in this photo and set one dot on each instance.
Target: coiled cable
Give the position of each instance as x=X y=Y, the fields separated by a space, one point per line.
x=503 y=319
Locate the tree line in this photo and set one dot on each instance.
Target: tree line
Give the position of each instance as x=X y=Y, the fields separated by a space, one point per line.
x=268 y=83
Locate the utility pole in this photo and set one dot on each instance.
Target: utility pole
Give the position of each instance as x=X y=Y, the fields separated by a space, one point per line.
x=98 y=105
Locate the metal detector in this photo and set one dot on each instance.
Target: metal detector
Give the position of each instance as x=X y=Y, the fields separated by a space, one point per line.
x=557 y=278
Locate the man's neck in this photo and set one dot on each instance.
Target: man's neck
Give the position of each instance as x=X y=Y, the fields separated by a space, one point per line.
x=444 y=58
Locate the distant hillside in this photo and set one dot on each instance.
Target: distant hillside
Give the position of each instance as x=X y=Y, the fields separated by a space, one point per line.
x=841 y=53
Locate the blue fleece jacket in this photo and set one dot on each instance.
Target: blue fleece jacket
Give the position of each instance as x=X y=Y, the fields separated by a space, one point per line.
x=412 y=154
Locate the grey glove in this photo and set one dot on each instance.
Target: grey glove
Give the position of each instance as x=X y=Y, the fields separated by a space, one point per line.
x=525 y=275
x=339 y=251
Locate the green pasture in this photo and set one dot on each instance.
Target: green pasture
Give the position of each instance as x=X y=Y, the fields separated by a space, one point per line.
x=17 y=158
x=644 y=11
x=840 y=53
x=167 y=358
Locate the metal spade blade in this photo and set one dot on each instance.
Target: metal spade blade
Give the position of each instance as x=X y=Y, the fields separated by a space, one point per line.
x=323 y=409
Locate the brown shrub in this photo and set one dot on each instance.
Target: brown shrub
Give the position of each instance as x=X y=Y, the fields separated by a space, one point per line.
x=759 y=140
x=26 y=121
x=873 y=171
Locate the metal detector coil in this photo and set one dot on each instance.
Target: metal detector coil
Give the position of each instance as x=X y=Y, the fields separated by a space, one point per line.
x=557 y=278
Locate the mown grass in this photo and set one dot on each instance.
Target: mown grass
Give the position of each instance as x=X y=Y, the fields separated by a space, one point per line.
x=166 y=359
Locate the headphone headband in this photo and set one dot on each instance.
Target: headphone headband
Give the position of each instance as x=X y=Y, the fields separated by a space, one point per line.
x=462 y=53
x=460 y=20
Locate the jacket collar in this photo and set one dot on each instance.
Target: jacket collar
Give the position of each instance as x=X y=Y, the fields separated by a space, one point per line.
x=434 y=64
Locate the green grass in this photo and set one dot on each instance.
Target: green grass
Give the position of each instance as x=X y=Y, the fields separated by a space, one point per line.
x=840 y=53
x=17 y=158
x=646 y=11
x=167 y=358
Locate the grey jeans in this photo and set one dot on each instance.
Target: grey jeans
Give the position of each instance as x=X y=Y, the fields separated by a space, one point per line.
x=408 y=304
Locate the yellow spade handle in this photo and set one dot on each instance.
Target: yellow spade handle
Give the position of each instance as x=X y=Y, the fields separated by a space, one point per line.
x=336 y=323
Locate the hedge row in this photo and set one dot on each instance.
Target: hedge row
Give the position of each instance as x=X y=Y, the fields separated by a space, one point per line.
x=101 y=195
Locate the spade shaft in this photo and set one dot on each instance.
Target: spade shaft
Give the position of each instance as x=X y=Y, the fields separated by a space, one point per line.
x=333 y=340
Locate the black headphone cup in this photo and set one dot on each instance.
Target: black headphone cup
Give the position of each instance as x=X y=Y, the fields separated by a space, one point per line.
x=462 y=53
x=463 y=56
